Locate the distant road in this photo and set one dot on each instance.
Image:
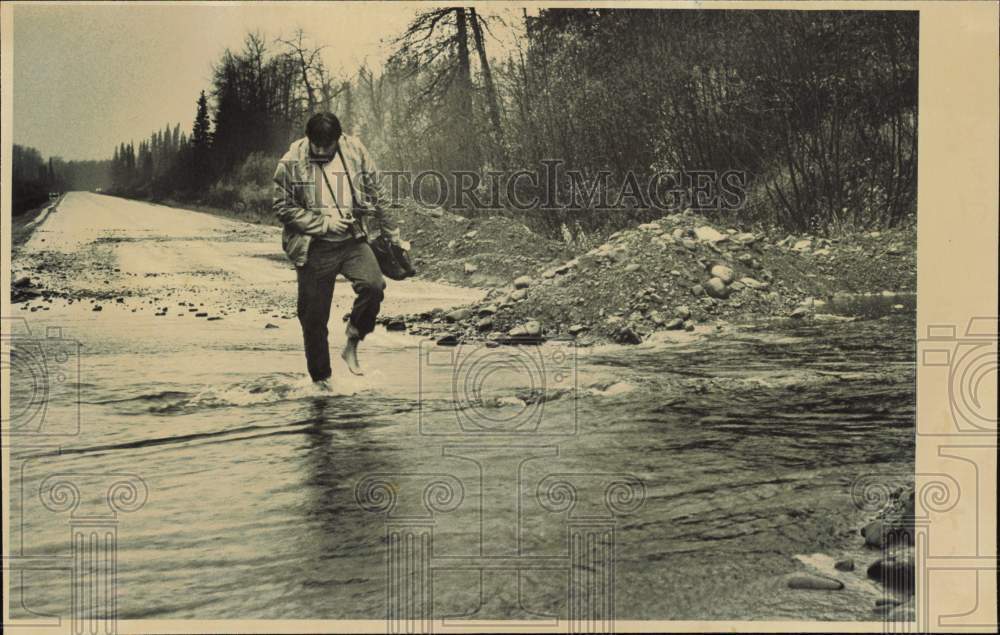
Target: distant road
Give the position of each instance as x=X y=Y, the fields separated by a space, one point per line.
x=96 y=245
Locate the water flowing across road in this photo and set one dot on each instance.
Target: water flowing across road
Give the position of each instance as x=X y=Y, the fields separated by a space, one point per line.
x=269 y=500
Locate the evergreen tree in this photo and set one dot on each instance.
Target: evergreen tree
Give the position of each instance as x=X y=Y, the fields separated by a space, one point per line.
x=201 y=142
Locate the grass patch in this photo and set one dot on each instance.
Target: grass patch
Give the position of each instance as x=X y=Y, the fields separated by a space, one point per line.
x=23 y=225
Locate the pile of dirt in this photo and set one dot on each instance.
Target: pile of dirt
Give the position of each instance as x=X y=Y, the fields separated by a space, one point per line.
x=669 y=274
x=476 y=252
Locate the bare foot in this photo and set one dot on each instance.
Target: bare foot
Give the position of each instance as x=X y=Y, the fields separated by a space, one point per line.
x=350 y=356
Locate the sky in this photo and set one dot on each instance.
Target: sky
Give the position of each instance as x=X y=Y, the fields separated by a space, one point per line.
x=87 y=77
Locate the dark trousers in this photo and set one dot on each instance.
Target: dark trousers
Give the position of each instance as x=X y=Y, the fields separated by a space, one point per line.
x=354 y=259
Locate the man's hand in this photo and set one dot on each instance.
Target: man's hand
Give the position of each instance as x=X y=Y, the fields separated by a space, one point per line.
x=395 y=239
x=335 y=225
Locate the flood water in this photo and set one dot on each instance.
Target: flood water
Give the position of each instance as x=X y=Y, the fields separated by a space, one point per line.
x=745 y=441
x=678 y=479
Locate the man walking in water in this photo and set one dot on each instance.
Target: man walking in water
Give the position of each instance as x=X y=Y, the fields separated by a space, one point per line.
x=328 y=197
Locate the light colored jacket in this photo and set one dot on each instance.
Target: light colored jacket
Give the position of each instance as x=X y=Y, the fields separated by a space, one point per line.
x=298 y=186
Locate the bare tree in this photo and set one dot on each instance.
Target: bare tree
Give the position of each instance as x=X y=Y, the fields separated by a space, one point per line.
x=435 y=49
x=492 y=103
x=310 y=63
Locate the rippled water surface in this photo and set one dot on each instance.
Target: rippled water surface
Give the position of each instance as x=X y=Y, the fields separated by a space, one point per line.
x=745 y=443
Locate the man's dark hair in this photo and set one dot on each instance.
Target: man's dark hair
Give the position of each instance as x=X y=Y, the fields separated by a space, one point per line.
x=323 y=129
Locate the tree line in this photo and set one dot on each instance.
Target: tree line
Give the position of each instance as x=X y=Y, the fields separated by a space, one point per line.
x=818 y=109
x=34 y=178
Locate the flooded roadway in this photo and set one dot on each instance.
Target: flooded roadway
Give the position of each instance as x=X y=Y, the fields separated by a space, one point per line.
x=733 y=451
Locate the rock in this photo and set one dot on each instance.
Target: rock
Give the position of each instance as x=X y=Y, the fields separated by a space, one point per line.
x=656 y=318
x=395 y=325
x=532 y=328
x=451 y=244
x=459 y=315
x=25 y=294
x=814 y=582
x=846 y=564
x=650 y=227
x=753 y=283
x=564 y=268
x=519 y=295
x=873 y=533
x=689 y=244
x=674 y=324
x=716 y=288
x=485 y=324
x=675 y=273
x=517 y=331
x=434 y=212
x=471 y=234
x=878 y=533
x=902 y=613
x=746 y=238
x=802 y=245
x=215 y=318
x=615 y=255
x=709 y=234
x=271 y=326
x=20 y=283
x=576 y=329
x=896 y=570
x=697 y=290
x=632 y=267
x=737 y=286
x=678 y=234
x=548 y=275
x=97 y=307
x=201 y=314
x=447 y=340
x=800 y=312
x=522 y=283
x=683 y=312
x=907 y=494
x=688 y=325
x=724 y=273
x=626 y=335
x=487 y=310
x=470 y=268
